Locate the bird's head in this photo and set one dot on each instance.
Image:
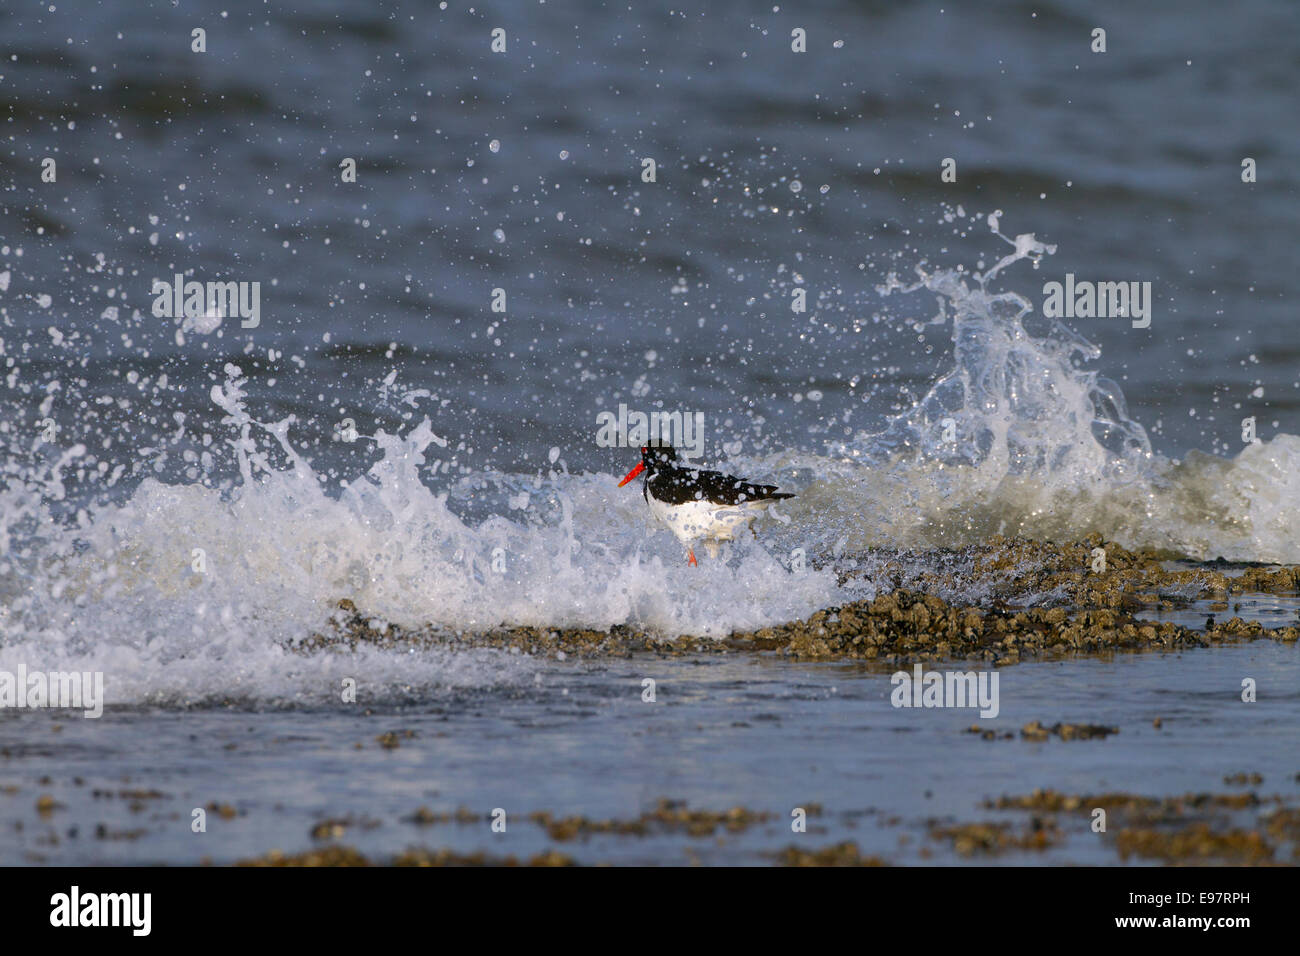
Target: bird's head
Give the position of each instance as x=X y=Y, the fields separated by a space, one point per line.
x=652 y=456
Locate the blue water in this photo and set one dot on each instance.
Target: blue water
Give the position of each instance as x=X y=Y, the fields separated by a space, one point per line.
x=724 y=731
x=1128 y=160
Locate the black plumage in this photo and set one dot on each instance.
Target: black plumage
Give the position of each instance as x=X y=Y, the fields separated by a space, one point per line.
x=676 y=485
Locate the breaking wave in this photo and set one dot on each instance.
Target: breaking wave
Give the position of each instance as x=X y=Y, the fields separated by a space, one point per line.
x=184 y=587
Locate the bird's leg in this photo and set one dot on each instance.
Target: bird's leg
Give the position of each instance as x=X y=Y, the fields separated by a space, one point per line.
x=712 y=547
x=690 y=558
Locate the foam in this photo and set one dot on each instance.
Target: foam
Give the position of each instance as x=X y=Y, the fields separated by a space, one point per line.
x=1018 y=437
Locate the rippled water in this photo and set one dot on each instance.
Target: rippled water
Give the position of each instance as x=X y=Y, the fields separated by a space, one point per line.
x=225 y=164
x=724 y=731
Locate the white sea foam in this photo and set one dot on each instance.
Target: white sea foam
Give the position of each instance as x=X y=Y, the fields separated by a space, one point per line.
x=1019 y=438
x=191 y=590
x=119 y=592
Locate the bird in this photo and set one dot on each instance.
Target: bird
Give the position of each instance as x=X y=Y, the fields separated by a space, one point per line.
x=696 y=504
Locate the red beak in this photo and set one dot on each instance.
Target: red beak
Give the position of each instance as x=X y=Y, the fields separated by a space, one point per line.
x=640 y=467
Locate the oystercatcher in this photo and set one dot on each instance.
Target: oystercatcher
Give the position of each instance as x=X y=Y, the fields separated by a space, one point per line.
x=697 y=504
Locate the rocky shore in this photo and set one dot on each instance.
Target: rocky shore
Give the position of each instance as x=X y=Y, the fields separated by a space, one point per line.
x=1036 y=600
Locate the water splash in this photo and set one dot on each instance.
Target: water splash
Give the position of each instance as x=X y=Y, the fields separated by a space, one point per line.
x=1018 y=437
x=187 y=591
x=191 y=566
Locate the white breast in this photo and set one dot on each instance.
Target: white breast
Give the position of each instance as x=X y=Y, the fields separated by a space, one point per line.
x=704 y=519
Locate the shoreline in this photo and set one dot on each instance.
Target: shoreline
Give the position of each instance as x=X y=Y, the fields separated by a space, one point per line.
x=1184 y=773
x=919 y=620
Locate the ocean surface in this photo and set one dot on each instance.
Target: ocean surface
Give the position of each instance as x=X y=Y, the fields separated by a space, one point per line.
x=577 y=739
x=184 y=498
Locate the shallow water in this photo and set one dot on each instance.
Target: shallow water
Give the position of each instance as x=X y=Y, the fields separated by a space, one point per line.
x=1270 y=610
x=724 y=731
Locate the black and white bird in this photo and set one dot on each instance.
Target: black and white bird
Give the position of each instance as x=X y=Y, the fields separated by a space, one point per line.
x=699 y=505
